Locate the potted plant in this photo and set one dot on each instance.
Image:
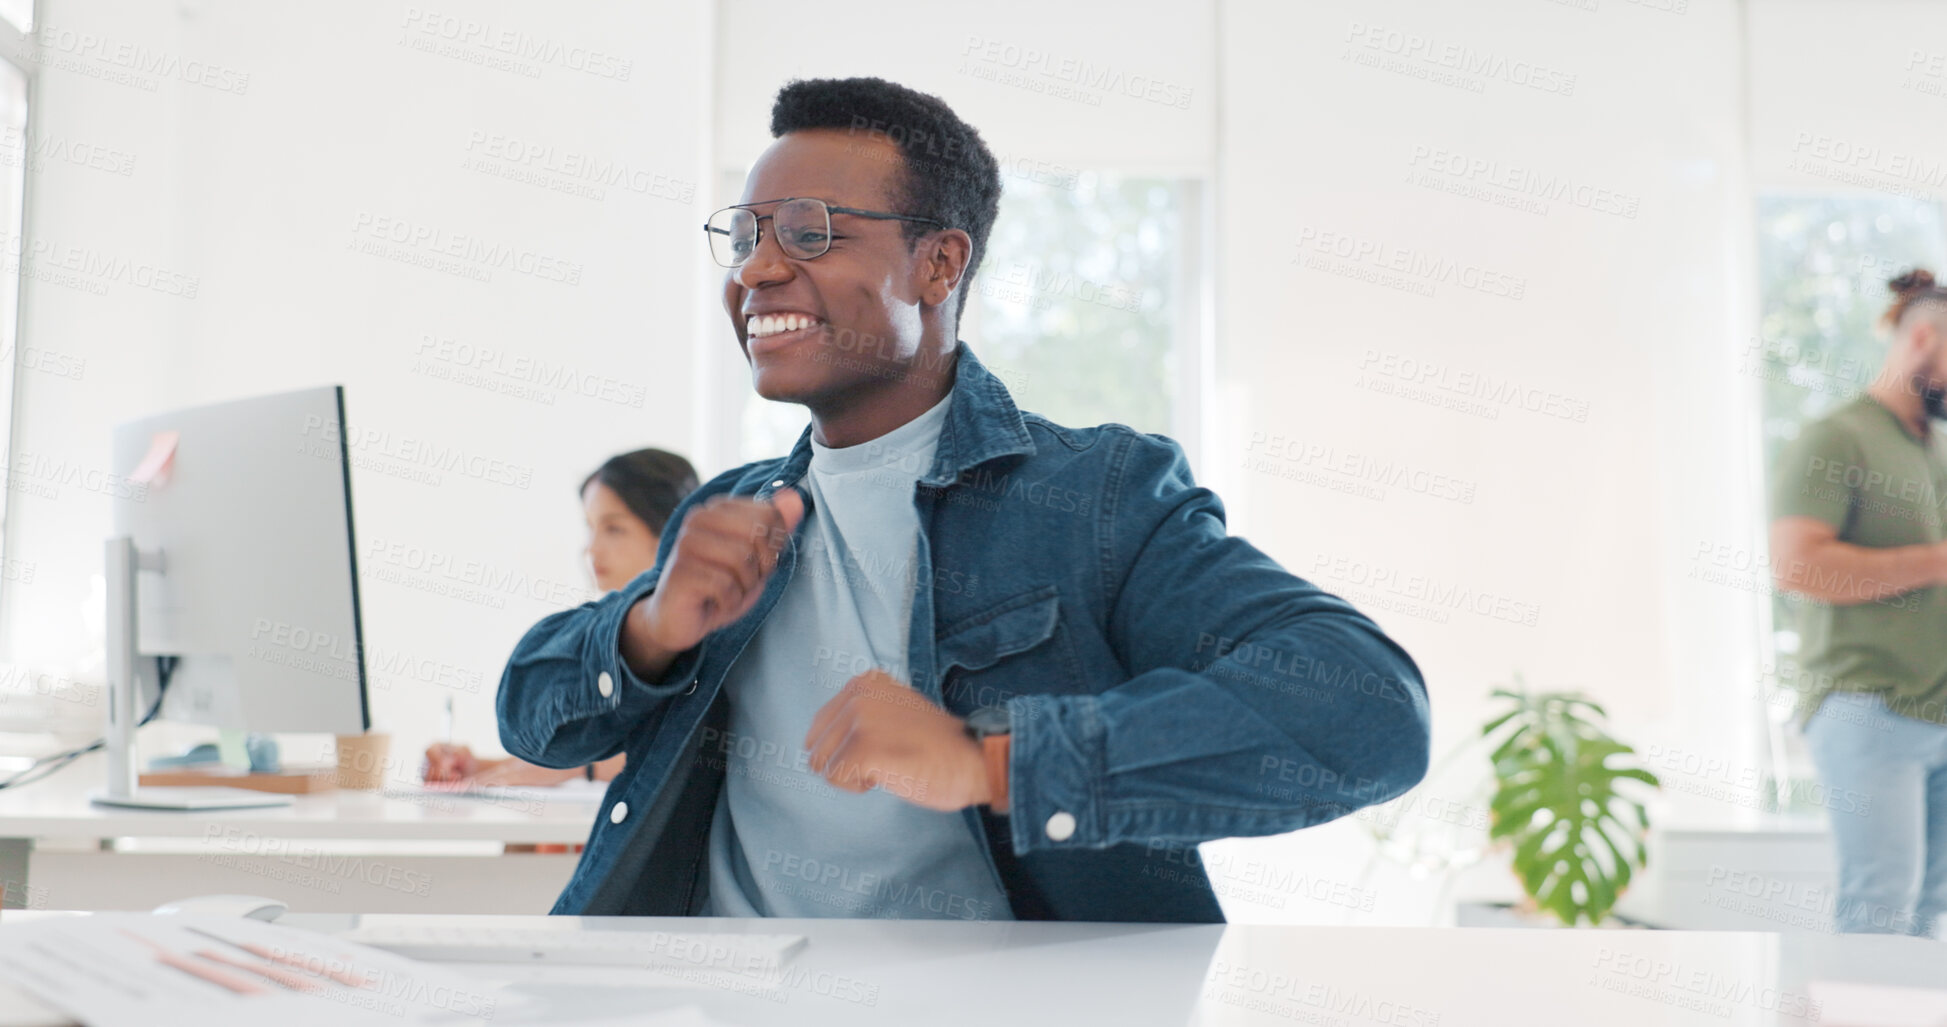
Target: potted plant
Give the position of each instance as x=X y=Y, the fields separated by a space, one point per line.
x=1577 y=837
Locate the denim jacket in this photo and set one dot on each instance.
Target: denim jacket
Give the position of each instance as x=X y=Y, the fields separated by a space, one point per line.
x=1168 y=684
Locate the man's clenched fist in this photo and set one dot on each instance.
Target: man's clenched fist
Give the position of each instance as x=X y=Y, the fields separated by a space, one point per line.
x=724 y=553
x=878 y=733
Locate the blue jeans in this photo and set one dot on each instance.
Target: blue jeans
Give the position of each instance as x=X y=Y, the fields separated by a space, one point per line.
x=1886 y=779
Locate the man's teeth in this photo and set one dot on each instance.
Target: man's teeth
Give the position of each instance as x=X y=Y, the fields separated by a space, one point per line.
x=771 y=324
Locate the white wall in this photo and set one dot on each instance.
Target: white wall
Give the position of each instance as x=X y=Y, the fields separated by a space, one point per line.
x=1849 y=96
x=1579 y=520
x=262 y=196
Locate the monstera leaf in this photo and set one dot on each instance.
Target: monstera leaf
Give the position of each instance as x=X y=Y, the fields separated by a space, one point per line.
x=1577 y=839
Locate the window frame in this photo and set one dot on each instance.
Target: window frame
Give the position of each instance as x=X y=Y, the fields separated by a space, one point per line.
x=1789 y=762
x=15 y=41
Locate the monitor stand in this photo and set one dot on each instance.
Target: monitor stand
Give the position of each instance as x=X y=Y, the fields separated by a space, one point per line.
x=122 y=563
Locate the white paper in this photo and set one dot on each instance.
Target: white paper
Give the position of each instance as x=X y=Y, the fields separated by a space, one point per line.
x=567 y=791
x=111 y=969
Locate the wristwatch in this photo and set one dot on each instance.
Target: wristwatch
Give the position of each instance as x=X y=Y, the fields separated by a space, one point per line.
x=992 y=727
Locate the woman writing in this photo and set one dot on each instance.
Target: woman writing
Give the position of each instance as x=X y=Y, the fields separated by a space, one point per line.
x=627 y=502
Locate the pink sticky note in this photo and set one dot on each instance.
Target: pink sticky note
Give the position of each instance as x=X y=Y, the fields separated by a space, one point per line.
x=154 y=468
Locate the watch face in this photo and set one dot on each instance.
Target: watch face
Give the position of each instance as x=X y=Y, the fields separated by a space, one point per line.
x=990 y=720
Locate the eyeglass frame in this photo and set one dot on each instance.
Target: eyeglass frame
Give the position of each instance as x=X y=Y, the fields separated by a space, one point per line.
x=830 y=209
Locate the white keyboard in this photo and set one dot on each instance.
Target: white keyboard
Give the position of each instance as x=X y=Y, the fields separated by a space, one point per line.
x=736 y=953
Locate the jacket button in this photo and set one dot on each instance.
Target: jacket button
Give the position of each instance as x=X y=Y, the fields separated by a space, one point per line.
x=778 y=484
x=619 y=813
x=604 y=684
x=1061 y=826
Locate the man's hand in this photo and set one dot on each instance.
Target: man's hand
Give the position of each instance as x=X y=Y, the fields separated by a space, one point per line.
x=725 y=552
x=878 y=733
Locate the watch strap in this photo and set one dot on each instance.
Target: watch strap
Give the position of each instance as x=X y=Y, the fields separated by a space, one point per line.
x=995 y=749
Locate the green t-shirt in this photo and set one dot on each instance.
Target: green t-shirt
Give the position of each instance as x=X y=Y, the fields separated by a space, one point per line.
x=1858 y=470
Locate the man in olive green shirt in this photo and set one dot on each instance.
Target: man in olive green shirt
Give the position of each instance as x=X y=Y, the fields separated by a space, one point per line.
x=1876 y=623
x=1859 y=535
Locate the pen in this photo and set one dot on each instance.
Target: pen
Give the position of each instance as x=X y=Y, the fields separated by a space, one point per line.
x=449 y=720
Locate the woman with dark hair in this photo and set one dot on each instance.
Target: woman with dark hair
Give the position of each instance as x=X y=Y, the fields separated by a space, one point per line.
x=627 y=503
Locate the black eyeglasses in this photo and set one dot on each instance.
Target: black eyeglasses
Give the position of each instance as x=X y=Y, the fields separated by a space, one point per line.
x=803 y=225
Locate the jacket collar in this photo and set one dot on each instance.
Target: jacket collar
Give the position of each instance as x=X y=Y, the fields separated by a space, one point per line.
x=982 y=424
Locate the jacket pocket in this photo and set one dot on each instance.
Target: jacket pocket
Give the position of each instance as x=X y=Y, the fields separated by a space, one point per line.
x=1008 y=627
x=1015 y=647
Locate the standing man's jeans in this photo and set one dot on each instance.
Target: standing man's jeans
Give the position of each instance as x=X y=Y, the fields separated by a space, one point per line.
x=1886 y=781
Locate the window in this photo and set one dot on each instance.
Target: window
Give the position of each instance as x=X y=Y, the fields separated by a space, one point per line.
x=1823 y=263
x=1086 y=307
x=1075 y=308
x=17 y=155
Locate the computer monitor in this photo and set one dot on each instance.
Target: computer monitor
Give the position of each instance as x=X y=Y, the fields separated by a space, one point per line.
x=232 y=559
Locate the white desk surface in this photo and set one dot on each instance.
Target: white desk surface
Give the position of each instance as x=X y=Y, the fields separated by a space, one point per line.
x=1020 y=974
x=58 y=808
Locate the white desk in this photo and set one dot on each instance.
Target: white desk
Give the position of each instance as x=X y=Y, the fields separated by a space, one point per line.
x=336 y=852
x=1017 y=975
